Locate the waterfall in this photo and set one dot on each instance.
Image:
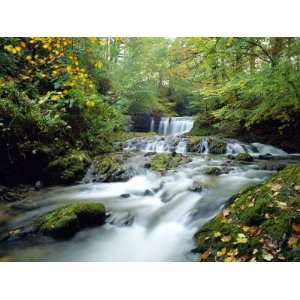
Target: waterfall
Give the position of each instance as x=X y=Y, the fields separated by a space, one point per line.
x=174 y=125
x=152 y=124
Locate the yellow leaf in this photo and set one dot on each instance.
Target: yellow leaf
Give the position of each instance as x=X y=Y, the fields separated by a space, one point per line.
x=226 y=238
x=293 y=241
x=217 y=234
x=222 y=252
x=276 y=187
x=267 y=256
x=241 y=239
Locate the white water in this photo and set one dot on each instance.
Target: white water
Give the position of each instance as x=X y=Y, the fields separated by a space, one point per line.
x=163 y=223
x=174 y=126
x=175 y=143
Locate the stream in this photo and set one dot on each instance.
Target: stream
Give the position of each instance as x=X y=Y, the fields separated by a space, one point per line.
x=153 y=216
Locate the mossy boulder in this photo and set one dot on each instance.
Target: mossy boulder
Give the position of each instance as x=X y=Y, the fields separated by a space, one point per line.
x=65 y=222
x=215 y=171
x=262 y=223
x=110 y=168
x=68 y=168
x=163 y=161
x=216 y=146
x=244 y=157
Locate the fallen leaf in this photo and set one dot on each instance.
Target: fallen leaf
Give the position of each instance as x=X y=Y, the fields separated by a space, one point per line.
x=222 y=252
x=226 y=238
x=230 y=259
x=217 y=234
x=293 y=241
x=253 y=259
x=241 y=239
x=205 y=255
x=281 y=205
x=254 y=231
x=276 y=187
x=254 y=251
x=267 y=256
x=297 y=188
x=246 y=228
x=233 y=252
x=296 y=228
x=226 y=212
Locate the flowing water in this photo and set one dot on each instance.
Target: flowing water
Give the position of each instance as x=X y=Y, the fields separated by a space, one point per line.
x=173 y=125
x=158 y=219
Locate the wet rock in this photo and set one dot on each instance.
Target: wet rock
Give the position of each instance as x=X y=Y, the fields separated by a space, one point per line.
x=244 y=157
x=273 y=166
x=196 y=187
x=215 y=171
x=158 y=188
x=65 y=222
x=216 y=146
x=148 y=193
x=109 y=168
x=38 y=185
x=149 y=154
x=123 y=220
x=67 y=169
x=2 y=189
x=162 y=162
x=147 y=165
x=267 y=156
x=125 y=195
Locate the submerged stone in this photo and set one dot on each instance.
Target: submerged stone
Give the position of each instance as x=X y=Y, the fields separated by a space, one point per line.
x=244 y=157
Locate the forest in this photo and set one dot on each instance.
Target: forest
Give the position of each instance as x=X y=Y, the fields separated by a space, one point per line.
x=70 y=106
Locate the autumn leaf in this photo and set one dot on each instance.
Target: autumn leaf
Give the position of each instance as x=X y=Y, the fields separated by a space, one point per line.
x=281 y=205
x=226 y=238
x=222 y=252
x=204 y=256
x=267 y=256
x=241 y=239
x=217 y=234
x=296 y=228
x=297 y=188
x=226 y=212
x=276 y=187
x=293 y=241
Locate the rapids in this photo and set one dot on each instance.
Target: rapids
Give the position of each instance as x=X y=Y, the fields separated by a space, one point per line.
x=160 y=214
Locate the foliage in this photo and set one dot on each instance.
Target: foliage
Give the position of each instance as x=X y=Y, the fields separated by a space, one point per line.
x=262 y=224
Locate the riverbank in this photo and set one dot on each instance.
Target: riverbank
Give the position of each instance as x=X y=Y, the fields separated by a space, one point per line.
x=150 y=197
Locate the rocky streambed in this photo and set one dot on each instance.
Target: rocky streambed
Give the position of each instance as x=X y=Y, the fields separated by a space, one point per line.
x=154 y=198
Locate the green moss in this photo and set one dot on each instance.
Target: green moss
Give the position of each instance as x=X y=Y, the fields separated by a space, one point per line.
x=64 y=222
x=68 y=168
x=244 y=157
x=162 y=162
x=259 y=223
x=216 y=146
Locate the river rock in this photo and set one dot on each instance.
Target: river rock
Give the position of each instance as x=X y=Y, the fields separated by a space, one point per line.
x=244 y=157
x=266 y=156
x=65 y=222
x=125 y=195
x=148 y=193
x=215 y=171
x=196 y=187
